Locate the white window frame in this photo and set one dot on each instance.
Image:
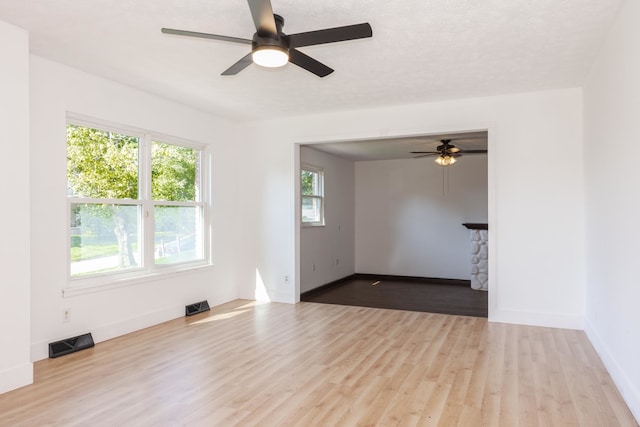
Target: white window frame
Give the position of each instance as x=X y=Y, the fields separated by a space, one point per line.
x=149 y=269
x=320 y=171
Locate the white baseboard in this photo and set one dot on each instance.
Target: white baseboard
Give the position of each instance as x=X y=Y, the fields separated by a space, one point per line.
x=549 y=320
x=628 y=390
x=16 y=377
x=40 y=350
x=279 y=296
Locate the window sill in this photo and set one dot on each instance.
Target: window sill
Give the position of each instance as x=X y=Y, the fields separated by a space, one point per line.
x=73 y=290
x=310 y=225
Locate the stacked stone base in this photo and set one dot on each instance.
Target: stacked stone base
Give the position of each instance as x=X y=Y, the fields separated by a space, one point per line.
x=479 y=257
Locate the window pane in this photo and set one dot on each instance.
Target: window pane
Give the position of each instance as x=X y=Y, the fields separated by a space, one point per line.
x=311 y=209
x=104 y=238
x=174 y=173
x=101 y=164
x=177 y=236
x=310 y=183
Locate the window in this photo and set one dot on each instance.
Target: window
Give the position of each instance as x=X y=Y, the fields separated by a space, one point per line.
x=136 y=201
x=312 y=189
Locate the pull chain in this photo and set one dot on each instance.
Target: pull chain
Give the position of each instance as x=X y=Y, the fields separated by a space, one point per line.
x=445 y=177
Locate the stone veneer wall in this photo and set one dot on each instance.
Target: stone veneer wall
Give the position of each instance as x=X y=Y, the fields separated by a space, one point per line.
x=479 y=256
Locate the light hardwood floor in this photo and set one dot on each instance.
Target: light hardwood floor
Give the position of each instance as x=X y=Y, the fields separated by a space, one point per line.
x=314 y=364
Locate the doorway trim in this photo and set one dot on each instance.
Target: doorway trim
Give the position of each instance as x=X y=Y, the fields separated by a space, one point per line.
x=489 y=127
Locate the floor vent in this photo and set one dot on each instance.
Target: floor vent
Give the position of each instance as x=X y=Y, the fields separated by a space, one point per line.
x=70 y=345
x=199 y=307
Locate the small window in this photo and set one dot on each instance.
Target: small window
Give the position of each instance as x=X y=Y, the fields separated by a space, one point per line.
x=312 y=197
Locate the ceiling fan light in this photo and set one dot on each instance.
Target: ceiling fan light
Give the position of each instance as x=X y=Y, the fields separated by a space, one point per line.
x=270 y=56
x=445 y=160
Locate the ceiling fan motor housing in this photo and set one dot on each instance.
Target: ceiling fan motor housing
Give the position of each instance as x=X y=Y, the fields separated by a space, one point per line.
x=258 y=43
x=268 y=41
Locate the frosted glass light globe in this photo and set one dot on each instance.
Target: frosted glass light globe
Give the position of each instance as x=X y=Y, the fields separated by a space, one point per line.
x=270 y=56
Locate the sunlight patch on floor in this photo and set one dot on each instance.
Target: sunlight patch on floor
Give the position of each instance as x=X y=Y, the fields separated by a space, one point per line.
x=220 y=316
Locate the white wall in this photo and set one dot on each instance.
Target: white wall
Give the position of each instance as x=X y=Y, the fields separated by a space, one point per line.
x=409 y=224
x=612 y=149
x=15 y=366
x=57 y=89
x=328 y=253
x=535 y=198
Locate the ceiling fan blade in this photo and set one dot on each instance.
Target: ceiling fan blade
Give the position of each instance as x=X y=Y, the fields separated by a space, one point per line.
x=205 y=36
x=474 y=151
x=424 y=152
x=330 y=35
x=426 y=155
x=238 y=66
x=262 y=14
x=308 y=63
x=453 y=149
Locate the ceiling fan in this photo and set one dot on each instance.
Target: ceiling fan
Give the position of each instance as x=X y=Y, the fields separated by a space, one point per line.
x=447 y=153
x=270 y=47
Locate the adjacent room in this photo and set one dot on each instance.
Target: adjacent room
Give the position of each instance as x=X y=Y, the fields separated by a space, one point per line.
x=165 y=215
x=394 y=223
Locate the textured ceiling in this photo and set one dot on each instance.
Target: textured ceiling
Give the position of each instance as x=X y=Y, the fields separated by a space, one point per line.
x=421 y=50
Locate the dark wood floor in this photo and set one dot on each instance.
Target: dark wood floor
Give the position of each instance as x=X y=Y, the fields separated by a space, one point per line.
x=399 y=294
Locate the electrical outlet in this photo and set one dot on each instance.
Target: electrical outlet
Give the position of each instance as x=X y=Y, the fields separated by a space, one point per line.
x=66 y=315
x=286 y=279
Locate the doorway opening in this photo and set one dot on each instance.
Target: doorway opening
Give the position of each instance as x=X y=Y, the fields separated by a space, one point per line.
x=393 y=223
